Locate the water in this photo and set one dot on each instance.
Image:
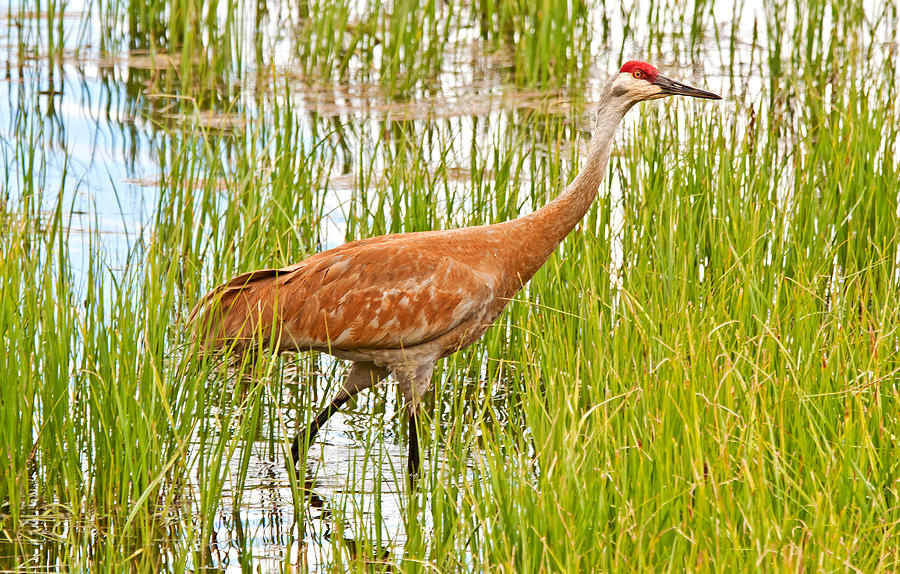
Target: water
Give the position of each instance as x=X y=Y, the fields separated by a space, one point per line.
x=101 y=124
x=340 y=477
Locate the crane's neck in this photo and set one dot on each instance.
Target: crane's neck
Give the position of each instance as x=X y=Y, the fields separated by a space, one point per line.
x=542 y=231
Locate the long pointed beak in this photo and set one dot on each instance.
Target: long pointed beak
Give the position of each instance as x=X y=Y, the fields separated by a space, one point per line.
x=672 y=88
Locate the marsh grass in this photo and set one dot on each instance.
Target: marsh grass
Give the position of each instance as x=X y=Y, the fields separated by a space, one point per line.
x=549 y=41
x=704 y=378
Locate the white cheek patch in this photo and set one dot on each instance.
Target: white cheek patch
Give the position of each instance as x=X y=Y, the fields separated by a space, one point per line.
x=644 y=90
x=628 y=84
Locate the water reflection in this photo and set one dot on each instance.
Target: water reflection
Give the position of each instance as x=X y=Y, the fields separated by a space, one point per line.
x=110 y=127
x=260 y=524
x=108 y=121
x=273 y=542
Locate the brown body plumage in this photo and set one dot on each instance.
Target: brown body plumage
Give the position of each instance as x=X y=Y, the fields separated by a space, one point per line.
x=379 y=299
x=398 y=303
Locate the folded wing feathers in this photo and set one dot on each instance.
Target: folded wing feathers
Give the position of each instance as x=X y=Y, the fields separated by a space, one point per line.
x=213 y=317
x=366 y=294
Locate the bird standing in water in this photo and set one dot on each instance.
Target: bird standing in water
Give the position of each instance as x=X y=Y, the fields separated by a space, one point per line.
x=396 y=304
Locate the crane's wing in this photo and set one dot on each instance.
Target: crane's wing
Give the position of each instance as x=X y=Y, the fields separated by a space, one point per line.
x=376 y=294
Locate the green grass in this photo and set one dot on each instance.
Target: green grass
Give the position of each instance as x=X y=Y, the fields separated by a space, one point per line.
x=549 y=41
x=703 y=379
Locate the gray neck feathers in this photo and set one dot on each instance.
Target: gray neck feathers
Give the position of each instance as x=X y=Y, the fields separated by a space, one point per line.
x=547 y=227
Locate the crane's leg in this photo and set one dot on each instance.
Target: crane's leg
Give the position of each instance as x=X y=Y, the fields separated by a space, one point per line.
x=412 y=460
x=414 y=380
x=361 y=376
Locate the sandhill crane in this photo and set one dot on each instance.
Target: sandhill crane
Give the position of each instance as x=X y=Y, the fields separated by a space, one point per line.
x=396 y=304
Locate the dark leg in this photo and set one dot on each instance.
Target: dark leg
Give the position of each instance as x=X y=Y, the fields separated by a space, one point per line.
x=414 y=380
x=311 y=431
x=361 y=376
x=412 y=463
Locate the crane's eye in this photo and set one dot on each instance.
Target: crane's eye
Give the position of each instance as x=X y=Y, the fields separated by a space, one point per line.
x=638 y=74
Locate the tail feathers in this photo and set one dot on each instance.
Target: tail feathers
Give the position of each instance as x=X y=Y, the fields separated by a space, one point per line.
x=222 y=315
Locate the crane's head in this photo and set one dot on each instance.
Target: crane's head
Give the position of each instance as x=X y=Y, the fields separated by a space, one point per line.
x=638 y=81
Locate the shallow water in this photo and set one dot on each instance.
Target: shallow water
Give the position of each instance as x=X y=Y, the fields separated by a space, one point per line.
x=103 y=122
